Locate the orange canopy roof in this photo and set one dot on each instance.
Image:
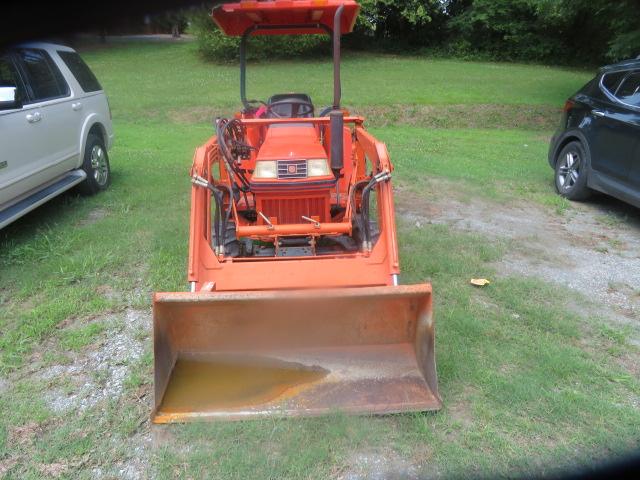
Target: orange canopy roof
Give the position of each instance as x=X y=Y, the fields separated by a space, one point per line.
x=303 y=16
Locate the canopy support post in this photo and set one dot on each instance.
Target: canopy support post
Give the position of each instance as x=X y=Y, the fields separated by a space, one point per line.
x=337 y=29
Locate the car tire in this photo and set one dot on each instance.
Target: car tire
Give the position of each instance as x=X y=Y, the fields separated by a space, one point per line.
x=96 y=165
x=572 y=167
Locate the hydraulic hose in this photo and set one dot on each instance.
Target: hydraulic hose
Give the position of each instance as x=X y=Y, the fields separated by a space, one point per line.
x=364 y=209
x=352 y=200
x=227 y=216
x=216 y=216
x=222 y=126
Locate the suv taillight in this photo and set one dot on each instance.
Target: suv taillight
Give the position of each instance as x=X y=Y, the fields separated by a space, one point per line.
x=568 y=105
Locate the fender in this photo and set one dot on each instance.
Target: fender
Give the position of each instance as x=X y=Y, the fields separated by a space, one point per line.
x=561 y=140
x=91 y=120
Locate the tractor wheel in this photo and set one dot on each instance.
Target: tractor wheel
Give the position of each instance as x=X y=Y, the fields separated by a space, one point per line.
x=231 y=243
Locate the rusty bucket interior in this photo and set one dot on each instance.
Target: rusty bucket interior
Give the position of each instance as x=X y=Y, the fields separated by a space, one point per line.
x=237 y=355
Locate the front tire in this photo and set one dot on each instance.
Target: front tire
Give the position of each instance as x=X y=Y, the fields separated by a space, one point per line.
x=572 y=171
x=96 y=166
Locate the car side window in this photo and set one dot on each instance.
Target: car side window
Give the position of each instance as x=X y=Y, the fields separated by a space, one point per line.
x=629 y=90
x=610 y=81
x=44 y=80
x=85 y=77
x=9 y=76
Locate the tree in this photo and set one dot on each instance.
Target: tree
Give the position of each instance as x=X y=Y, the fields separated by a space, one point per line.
x=414 y=22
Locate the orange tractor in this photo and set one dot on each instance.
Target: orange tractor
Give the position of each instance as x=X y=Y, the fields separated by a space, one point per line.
x=295 y=306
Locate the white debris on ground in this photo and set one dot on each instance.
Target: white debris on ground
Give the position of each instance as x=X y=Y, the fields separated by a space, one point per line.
x=136 y=467
x=99 y=372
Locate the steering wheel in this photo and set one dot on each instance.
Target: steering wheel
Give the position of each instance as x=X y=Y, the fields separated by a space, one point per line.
x=304 y=107
x=254 y=104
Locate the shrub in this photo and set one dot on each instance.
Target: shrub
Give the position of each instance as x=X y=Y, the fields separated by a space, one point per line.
x=215 y=45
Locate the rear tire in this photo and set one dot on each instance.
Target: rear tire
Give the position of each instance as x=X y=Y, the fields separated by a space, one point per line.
x=572 y=167
x=96 y=166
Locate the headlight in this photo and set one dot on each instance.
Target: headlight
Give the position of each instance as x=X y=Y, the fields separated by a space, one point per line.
x=266 y=169
x=317 y=168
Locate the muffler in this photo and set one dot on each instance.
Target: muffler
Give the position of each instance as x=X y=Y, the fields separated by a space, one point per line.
x=238 y=355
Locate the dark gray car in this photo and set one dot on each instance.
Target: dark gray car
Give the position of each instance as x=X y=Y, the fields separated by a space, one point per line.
x=597 y=146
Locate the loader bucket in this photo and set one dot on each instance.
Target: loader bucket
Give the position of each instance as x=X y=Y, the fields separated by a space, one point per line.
x=236 y=355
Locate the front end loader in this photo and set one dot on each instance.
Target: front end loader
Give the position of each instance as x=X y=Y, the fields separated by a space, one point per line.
x=295 y=306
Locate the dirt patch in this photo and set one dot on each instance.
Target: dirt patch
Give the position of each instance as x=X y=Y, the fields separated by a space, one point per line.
x=6 y=465
x=94 y=216
x=54 y=470
x=98 y=372
x=200 y=114
x=460 y=409
x=108 y=292
x=24 y=434
x=378 y=466
x=136 y=466
x=4 y=385
x=531 y=117
x=594 y=248
x=494 y=116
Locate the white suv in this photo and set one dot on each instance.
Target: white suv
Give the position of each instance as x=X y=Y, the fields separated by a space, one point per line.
x=55 y=128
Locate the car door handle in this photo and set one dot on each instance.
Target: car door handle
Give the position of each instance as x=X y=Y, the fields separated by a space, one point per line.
x=34 y=117
x=76 y=106
x=598 y=113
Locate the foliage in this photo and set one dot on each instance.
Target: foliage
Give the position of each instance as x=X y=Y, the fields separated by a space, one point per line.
x=556 y=31
x=505 y=29
x=166 y=21
x=584 y=31
x=214 y=45
x=406 y=22
x=618 y=21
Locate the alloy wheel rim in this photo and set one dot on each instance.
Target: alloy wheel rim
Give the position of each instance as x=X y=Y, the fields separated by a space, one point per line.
x=99 y=165
x=569 y=171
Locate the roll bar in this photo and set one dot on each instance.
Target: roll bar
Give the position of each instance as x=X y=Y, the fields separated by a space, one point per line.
x=335 y=33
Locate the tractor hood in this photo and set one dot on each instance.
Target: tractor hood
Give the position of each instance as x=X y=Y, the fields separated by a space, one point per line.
x=291 y=141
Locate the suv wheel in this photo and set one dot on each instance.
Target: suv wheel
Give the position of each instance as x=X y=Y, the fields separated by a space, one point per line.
x=571 y=172
x=96 y=166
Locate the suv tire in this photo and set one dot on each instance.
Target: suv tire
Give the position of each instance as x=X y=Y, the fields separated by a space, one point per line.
x=96 y=166
x=572 y=167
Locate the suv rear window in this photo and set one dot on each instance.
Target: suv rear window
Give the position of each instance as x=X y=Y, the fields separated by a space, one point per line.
x=81 y=71
x=610 y=81
x=45 y=81
x=629 y=90
x=9 y=76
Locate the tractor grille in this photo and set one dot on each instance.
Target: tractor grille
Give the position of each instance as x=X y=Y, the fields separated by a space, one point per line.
x=291 y=210
x=292 y=169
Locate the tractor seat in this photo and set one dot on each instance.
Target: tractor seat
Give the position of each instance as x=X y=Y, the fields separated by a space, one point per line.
x=290 y=110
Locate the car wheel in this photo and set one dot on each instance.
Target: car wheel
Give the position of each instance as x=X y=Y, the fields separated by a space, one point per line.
x=571 y=172
x=96 y=166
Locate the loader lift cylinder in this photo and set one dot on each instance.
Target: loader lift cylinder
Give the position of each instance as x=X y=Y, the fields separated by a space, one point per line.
x=337 y=146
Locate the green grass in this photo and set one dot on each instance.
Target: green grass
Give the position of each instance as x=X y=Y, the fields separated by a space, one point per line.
x=528 y=385
x=152 y=80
